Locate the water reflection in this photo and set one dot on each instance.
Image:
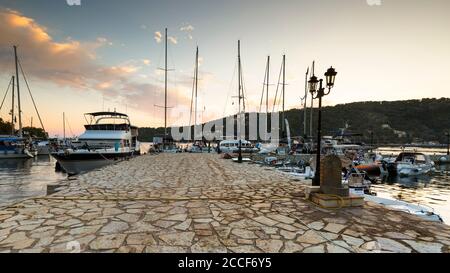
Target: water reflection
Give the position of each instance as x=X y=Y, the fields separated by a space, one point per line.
x=23 y=178
x=429 y=190
x=15 y=164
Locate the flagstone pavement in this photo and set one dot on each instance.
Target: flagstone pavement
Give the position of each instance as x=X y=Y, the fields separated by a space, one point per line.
x=196 y=203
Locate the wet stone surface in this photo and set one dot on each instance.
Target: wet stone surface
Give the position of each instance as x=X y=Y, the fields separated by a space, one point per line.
x=200 y=203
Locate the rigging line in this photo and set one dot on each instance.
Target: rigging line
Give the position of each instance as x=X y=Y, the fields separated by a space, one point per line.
x=6 y=94
x=192 y=101
x=278 y=88
x=68 y=124
x=242 y=87
x=279 y=104
x=230 y=88
x=264 y=89
x=31 y=95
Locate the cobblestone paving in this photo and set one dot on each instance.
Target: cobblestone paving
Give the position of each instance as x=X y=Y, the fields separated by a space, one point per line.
x=201 y=203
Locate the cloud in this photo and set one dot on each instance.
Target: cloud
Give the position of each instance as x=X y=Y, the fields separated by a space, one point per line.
x=104 y=41
x=173 y=40
x=71 y=63
x=143 y=27
x=158 y=37
x=187 y=28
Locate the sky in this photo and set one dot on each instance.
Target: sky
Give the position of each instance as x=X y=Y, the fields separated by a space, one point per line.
x=107 y=54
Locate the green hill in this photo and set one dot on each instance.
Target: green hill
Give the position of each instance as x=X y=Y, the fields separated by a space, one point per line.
x=391 y=122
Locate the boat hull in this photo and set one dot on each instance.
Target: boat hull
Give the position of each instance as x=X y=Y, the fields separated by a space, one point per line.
x=77 y=163
x=373 y=169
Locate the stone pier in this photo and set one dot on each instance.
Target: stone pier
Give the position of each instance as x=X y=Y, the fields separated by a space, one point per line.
x=197 y=203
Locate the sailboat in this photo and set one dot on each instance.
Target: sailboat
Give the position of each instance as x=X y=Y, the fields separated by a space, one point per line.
x=15 y=146
x=166 y=141
x=285 y=138
x=239 y=145
x=197 y=146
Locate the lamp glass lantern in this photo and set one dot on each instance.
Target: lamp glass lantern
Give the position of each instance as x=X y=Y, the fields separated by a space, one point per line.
x=313 y=81
x=330 y=77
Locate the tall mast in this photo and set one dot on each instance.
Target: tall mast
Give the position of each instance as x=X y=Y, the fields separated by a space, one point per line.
x=64 y=126
x=239 y=75
x=239 y=91
x=267 y=84
x=13 y=123
x=165 y=88
x=305 y=104
x=265 y=87
x=196 y=86
x=18 y=92
x=284 y=89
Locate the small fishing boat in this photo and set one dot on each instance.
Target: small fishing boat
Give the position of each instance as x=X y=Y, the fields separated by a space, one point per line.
x=358 y=183
x=109 y=137
x=444 y=159
x=413 y=164
x=232 y=146
x=306 y=173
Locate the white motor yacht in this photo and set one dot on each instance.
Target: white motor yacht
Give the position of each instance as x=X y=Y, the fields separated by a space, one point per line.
x=109 y=137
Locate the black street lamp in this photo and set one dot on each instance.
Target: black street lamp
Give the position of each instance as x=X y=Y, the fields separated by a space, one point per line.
x=319 y=93
x=240 y=141
x=240 y=152
x=448 y=143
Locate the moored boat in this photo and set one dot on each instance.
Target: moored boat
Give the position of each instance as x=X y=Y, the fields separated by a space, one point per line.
x=12 y=147
x=417 y=210
x=109 y=137
x=232 y=146
x=412 y=164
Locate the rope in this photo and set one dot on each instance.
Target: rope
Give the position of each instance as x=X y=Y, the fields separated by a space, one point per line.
x=103 y=156
x=6 y=94
x=31 y=95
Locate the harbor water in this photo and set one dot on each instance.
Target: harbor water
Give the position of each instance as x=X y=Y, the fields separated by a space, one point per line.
x=21 y=179
x=24 y=178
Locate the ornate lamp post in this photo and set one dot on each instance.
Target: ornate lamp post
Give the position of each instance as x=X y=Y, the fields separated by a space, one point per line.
x=318 y=92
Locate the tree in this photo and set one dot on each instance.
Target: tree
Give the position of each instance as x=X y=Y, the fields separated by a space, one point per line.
x=5 y=127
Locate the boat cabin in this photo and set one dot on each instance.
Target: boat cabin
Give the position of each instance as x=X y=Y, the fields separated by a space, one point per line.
x=412 y=157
